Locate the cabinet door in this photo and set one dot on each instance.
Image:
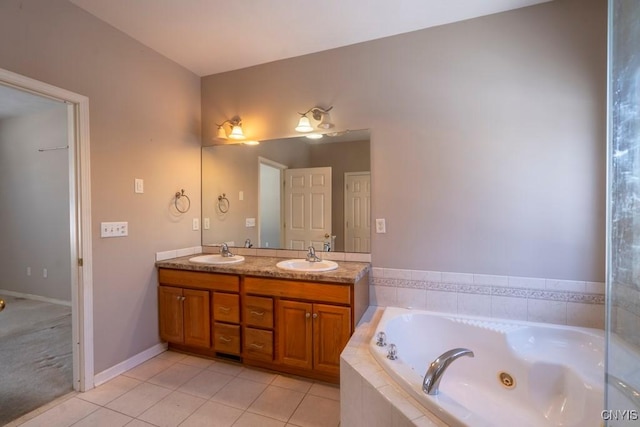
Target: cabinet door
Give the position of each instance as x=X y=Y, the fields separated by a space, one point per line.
x=197 y=318
x=171 y=314
x=294 y=334
x=331 y=332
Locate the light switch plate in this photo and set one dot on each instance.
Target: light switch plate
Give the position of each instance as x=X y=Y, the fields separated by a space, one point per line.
x=139 y=186
x=381 y=225
x=206 y=223
x=196 y=224
x=250 y=222
x=114 y=229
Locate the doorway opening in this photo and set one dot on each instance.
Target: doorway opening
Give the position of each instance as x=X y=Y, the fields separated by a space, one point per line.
x=51 y=278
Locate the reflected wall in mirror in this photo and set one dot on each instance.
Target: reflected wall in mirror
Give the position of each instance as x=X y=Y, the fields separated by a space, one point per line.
x=289 y=193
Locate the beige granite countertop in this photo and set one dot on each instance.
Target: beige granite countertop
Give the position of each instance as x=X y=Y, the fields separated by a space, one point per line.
x=347 y=271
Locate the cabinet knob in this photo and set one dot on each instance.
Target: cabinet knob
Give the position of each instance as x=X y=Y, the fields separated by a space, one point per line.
x=308 y=315
x=315 y=315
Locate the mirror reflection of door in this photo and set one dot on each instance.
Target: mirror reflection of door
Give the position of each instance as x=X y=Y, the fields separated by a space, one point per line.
x=307 y=197
x=357 y=211
x=270 y=220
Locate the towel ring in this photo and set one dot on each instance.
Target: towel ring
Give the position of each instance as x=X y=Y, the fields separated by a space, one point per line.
x=223 y=203
x=180 y=194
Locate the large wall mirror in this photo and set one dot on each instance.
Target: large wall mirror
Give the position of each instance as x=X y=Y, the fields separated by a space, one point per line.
x=289 y=193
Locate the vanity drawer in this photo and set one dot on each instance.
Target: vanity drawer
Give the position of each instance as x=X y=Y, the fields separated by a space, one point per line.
x=258 y=344
x=199 y=280
x=258 y=311
x=226 y=338
x=226 y=307
x=297 y=289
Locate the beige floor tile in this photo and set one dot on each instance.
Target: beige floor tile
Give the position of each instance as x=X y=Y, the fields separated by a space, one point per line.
x=175 y=375
x=254 y=420
x=171 y=356
x=65 y=414
x=205 y=384
x=329 y=391
x=139 y=423
x=298 y=384
x=172 y=410
x=315 y=411
x=277 y=402
x=226 y=368
x=239 y=393
x=256 y=375
x=149 y=369
x=104 y=417
x=110 y=390
x=212 y=414
x=198 y=362
x=139 y=399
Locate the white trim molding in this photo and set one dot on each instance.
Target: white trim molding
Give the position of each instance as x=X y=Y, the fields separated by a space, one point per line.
x=130 y=363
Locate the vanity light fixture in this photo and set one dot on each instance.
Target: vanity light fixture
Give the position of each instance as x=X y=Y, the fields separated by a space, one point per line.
x=319 y=114
x=236 y=129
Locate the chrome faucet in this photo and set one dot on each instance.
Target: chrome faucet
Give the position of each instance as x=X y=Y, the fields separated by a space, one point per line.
x=327 y=247
x=224 y=251
x=247 y=243
x=311 y=255
x=436 y=369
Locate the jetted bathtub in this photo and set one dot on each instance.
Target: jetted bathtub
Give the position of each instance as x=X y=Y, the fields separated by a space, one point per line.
x=523 y=373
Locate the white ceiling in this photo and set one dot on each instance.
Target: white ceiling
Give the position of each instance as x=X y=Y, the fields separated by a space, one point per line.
x=213 y=36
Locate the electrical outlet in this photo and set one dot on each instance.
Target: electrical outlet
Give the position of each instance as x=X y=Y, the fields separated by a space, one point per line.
x=381 y=225
x=139 y=186
x=250 y=222
x=206 y=223
x=196 y=224
x=114 y=229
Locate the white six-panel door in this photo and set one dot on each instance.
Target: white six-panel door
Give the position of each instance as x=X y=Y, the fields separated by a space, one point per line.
x=357 y=211
x=307 y=194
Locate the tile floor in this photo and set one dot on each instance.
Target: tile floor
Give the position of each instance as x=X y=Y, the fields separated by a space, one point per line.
x=174 y=389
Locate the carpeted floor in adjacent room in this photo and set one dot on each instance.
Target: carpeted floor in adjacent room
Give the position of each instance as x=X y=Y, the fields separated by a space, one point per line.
x=36 y=363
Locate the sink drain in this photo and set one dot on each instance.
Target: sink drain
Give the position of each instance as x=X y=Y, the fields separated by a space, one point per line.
x=507 y=380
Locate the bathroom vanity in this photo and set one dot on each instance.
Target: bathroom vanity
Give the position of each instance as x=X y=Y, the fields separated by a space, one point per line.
x=260 y=315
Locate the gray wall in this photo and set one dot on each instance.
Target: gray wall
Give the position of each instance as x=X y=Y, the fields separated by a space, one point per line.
x=145 y=123
x=34 y=214
x=487 y=136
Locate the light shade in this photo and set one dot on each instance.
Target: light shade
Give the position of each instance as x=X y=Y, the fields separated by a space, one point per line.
x=314 y=135
x=251 y=142
x=326 y=122
x=222 y=134
x=304 y=125
x=236 y=133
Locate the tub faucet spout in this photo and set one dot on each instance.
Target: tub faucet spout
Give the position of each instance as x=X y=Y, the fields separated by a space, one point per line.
x=436 y=369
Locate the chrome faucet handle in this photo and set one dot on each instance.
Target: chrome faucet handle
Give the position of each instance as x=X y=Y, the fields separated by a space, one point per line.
x=311 y=255
x=392 y=354
x=224 y=251
x=381 y=339
x=327 y=246
x=247 y=243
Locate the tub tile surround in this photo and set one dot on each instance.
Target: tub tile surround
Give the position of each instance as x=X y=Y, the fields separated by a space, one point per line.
x=368 y=395
x=567 y=302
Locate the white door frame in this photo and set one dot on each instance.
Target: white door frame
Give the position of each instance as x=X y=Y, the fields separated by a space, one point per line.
x=80 y=220
x=276 y=165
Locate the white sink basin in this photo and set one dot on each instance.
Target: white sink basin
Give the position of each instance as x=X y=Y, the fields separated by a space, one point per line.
x=304 y=266
x=217 y=259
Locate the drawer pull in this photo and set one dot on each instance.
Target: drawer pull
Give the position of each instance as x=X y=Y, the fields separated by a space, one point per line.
x=224 y=309
x=258 y=346
x=257 y=313
x=225 y=339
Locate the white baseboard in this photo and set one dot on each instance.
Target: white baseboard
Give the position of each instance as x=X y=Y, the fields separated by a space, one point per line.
x=130 y=363
x=35 y=297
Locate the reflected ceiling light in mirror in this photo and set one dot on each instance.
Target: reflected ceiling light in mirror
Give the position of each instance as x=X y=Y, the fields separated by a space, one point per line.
x=314 y=135
x=236 y=129
x=319 y=114
x=251 y=142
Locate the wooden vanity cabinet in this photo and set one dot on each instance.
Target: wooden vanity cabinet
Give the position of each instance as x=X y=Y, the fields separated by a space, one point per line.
x=312 y=324
x=184 y=316
x=199 y=311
